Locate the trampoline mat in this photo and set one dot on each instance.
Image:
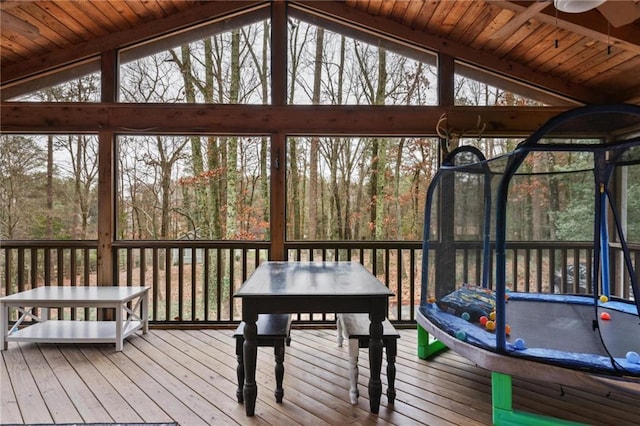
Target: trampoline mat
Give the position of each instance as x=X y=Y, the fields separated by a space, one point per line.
x=569 y=327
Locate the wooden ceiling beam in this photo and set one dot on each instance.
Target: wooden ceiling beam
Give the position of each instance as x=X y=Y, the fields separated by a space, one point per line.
x=44 y=118
x=207 y=12
x=591 y=24
x=518 y=20
x=349 y=16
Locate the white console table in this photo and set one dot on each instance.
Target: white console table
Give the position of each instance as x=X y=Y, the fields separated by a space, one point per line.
x=43 y=330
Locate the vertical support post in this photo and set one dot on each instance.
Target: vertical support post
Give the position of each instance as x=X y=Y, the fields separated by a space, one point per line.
x=278 y=140
x=278 y=199
x=445 y=257
x=106 y=184
x=446 y=80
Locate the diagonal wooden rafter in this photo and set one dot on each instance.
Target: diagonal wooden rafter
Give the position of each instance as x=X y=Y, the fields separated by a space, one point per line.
x=591 y=24
x=519 y=20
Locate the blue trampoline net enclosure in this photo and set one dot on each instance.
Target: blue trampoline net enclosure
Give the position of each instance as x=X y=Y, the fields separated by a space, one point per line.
x=536 y=253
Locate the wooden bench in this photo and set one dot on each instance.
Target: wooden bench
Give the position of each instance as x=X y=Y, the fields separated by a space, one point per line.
x=355 y=327
x=273 y=330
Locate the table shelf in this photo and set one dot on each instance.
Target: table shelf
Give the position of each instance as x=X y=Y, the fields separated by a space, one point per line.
x=60 y=331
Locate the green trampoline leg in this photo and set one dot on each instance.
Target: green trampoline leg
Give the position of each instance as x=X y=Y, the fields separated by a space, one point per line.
x=428 y=345
x=503 y=413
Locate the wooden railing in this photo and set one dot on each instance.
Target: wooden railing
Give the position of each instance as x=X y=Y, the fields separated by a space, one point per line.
x=193 y=282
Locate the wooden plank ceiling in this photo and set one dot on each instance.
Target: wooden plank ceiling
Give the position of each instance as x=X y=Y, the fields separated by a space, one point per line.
x=590 y=57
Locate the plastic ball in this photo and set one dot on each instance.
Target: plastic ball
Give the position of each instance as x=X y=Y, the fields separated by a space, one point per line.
x=465 y=316
x=633 y=357
x=490 y=325
x=461 y=335
x=507 y=329
x=431 y=300
x=605 y=316
x=483 y=320
x=519 y=344
x=492 y=316
x=604 y=299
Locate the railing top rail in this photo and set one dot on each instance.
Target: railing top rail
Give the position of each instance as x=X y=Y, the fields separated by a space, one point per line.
x=191 y=244
x=37 y=244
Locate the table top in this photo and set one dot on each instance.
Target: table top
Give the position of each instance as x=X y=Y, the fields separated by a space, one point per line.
x=312 y=279
x=76 y=294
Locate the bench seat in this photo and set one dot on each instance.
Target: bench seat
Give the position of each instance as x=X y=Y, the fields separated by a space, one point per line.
x=274 y=330
x=355 y=328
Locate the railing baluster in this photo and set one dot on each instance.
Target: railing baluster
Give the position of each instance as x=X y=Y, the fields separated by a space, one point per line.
x=180 y=282
x=194 y=280
x=232 y=279
x=218 y=283
x=399 y=298
x=206 y=288
x=20 y=268
x=154 y=283
x=34 y=269
x=167 y=280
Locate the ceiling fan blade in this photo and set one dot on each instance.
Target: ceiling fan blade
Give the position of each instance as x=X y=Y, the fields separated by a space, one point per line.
x=620 y=13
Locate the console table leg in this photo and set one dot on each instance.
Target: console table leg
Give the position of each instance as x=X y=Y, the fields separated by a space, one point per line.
x=144 y=312
x=4 y=323
x=119 y=328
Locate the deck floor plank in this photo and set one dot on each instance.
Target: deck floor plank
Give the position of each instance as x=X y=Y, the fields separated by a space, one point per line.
x=48 y=377
x=32 y=406
x=189 y=376
x=98 y=394
x=159 y=384
x=198 y=377
x=10 y=412
x=405 y=404
x=126 y=385
x=295 y=403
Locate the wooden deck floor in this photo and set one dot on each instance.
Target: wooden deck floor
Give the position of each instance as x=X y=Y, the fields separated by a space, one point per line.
x=188 y=376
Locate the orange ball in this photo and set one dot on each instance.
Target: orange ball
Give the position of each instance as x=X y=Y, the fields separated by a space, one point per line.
x=483 y=320
x=605 y=316
x=507 y=329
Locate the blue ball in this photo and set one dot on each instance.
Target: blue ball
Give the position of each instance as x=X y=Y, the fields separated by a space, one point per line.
x=461 y=335
x=519 y=344
x=633 y=357
x=465 y=316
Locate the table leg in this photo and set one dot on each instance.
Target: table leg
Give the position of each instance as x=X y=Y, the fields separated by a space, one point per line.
x=4 y=323
x=119 y=310
x=144 y=312
x=375 y=360
x=250 y=349
x=278 y=351
x=240 y=369
x=392 y=350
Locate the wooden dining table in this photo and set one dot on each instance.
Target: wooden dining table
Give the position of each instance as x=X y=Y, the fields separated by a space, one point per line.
x=312 y=287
